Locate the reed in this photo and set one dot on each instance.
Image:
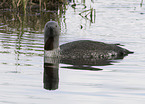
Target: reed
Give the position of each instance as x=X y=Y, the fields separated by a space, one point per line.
x=141 y=3
x=23 y=4
x=89 y=12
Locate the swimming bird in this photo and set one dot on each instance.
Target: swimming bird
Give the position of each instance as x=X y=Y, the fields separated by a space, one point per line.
x=81 y=49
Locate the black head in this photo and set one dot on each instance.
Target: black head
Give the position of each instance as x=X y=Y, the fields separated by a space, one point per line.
x=51 y=29
x=51 y=35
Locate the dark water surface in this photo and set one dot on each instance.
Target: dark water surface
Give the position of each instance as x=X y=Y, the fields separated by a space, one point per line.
x=21 y=56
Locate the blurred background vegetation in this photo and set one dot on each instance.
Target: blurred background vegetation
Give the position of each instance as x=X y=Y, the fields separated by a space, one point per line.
x=22 y=14
x=35 y=13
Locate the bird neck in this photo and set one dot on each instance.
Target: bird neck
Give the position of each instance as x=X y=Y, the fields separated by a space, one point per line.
x=51 y=43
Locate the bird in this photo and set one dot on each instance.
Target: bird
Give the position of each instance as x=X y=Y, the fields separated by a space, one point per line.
x=80 y=49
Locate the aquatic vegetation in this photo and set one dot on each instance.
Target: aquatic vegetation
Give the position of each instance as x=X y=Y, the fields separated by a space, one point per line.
x=91 y=12
x=22 y=14
x=141 y=3
x=24 y=4
x=88 y=12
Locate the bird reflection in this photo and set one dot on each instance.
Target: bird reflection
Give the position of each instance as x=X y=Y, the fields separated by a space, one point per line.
x=88 y=64
x=51 y=77
x=51 y=68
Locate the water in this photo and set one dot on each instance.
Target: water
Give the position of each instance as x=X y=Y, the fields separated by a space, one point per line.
x=21 y=52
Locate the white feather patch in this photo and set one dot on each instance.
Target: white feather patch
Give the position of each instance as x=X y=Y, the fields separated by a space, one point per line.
x=52 y=53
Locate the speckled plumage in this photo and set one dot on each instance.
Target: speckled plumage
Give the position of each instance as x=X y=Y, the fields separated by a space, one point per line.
x=91 y=49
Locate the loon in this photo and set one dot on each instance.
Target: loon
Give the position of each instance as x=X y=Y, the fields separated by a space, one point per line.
x=81 y=49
